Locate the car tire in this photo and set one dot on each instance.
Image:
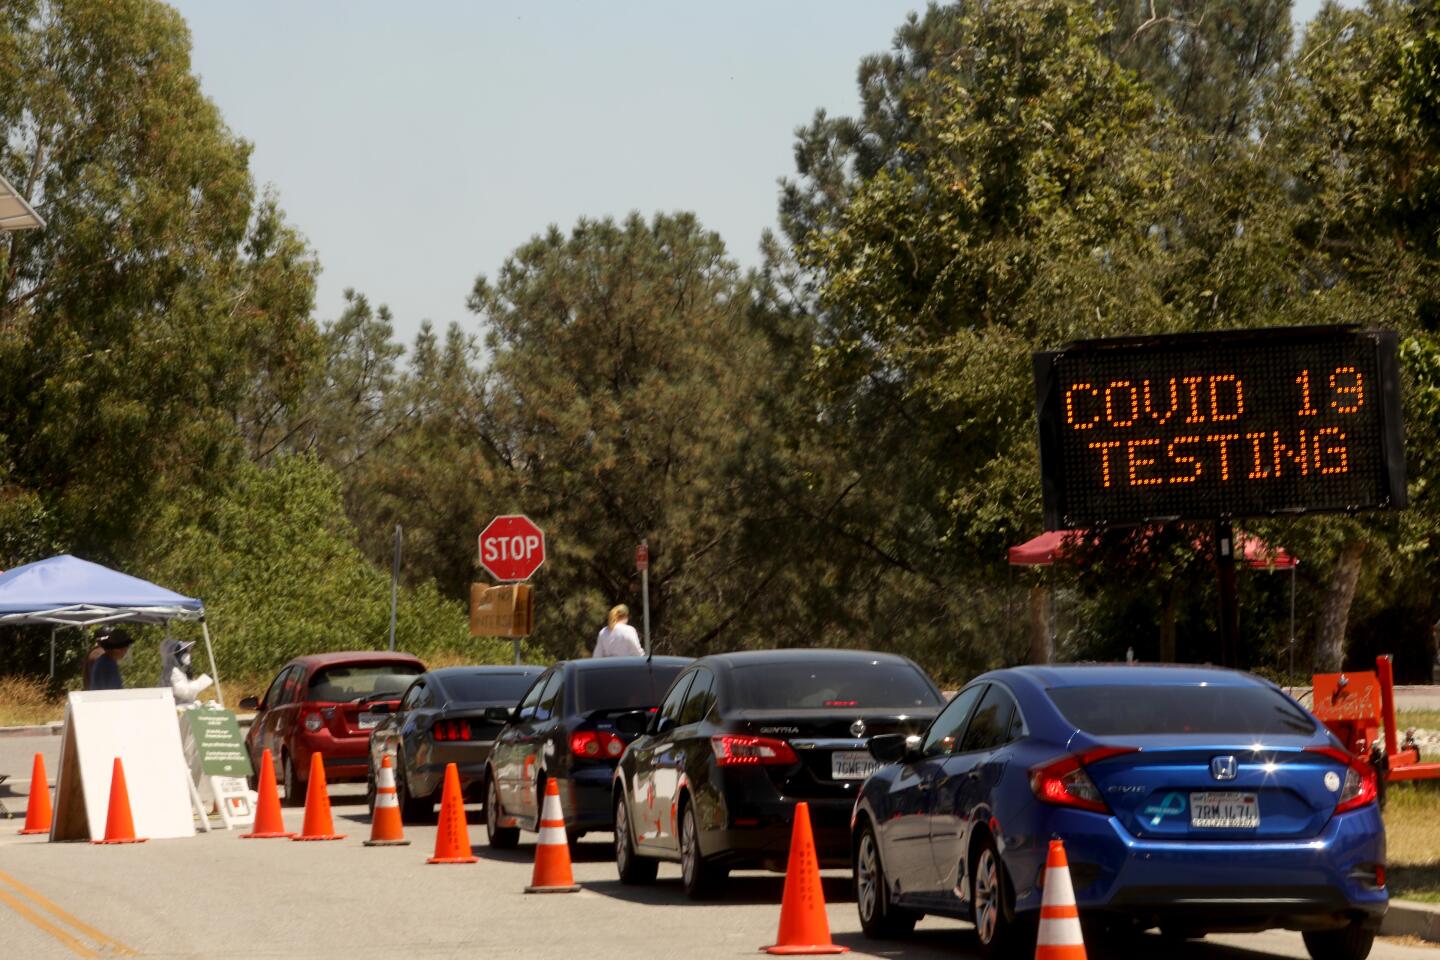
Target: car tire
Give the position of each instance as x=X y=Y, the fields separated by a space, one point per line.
x=1000 y=933
x=294 y=789
x=634 y=869
x=412 y=809
x=1348 y=943
x=699 y=878
x=370 y=787
x=501 y=838
x=879 y=918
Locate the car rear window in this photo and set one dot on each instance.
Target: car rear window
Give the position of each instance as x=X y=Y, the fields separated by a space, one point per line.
x=843 y=685
x=615 y=690
x=473 y=687
x=1173 y=709
x=351 y=681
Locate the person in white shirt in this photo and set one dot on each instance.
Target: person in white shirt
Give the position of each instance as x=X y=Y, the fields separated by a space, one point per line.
x=617 y=638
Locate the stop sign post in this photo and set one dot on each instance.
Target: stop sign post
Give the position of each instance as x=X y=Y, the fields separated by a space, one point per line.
x=512 y=548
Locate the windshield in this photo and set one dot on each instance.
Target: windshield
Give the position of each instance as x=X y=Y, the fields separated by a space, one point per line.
x=615 y=690
x=352 y=681
x=475 y=687
x=840 y=684
x=1173 y=709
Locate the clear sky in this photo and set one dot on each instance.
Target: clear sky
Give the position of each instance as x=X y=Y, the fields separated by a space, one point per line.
x=416 y=145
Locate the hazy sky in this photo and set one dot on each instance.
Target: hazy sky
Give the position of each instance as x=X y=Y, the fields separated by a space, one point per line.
x=416 y=145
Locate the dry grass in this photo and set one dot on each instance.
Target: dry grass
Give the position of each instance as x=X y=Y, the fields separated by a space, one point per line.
x=1412 y=839
x=25 y=701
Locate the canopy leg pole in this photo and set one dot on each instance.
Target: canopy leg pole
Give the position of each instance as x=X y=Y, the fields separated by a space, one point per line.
x=52 y=651
x=214 y=671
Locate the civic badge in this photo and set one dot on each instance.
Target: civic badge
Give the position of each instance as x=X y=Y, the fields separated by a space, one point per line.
x=857 y=729
x=1223 y=768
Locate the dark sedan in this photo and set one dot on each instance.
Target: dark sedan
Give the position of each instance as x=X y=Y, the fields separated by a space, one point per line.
x=564 y=730
x=446 y=716
x=739 y=738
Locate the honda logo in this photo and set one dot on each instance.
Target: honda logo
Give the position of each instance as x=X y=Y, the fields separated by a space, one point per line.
x=1223 y=768
x=857 y=729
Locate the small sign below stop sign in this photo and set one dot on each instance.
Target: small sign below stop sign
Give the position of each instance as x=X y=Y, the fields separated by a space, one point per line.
x=512 y=548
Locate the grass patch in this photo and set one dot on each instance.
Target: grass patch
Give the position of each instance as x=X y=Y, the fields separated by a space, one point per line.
x=1412 y=836
x=25 y=701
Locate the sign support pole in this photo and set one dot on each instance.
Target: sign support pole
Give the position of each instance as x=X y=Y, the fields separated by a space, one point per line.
x=645 y=607
x=395 y=587
x=1229 y=598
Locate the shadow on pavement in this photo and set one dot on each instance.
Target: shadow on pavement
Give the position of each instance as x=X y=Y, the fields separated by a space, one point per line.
x=959 y=943
x=748 y=890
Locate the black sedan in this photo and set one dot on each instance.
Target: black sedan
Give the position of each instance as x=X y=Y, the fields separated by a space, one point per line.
x=738 y=739
x=445 y=716
x=564 y=730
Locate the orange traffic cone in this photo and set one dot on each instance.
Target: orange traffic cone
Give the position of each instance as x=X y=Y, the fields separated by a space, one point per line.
x=119 y=827
x=452 y=839
x=318 y=823
x=1060 y=936
x=804 y=928
x=37 y=809
x=386 y=830
x=552 y=852
x=269 y=822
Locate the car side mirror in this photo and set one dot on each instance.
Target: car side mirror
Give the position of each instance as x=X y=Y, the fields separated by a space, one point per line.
x=633 y=723
x=249 y=703
x=498 y=714
x=659 y=723
x=894 y=747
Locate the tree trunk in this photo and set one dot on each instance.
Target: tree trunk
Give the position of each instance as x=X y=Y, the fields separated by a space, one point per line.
x=1167 y=621
x=1040 y=651
x=1335 y=618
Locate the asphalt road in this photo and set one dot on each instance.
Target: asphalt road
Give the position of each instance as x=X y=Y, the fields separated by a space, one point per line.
x=217 y=896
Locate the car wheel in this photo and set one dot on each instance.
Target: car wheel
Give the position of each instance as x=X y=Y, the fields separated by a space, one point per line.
x=880 y=919
x=412 y=809
x=501 y=838
x=370 y=786
x=633 y=868
x=1347 y=943
x=294 y=789
x=996 y=927
x=698 y=878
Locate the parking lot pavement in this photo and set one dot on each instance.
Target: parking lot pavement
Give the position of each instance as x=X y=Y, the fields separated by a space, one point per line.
x=217 y=896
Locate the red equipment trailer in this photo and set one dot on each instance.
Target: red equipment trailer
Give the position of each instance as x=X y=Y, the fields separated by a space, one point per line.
x=1355 y=706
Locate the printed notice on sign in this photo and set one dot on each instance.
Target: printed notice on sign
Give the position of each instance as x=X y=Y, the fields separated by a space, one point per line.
x=1223 y=425
x=217 y=738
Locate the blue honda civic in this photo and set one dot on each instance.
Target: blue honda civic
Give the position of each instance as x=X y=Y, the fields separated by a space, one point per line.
x=1190 y=799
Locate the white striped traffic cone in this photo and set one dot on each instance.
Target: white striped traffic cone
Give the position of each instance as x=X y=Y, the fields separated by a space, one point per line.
x=1060 y=937
x=552 y=853
x=386 y=829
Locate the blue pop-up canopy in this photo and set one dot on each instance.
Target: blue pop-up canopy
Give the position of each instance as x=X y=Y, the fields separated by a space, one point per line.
x=66 y=591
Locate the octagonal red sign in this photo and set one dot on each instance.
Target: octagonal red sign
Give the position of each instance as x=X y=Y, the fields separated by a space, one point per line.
x=512 y=548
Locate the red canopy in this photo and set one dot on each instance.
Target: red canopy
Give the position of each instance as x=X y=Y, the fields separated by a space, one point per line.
x=1055 y=545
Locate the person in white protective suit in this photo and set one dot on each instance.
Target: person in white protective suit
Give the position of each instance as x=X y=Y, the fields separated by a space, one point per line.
x=175 y=671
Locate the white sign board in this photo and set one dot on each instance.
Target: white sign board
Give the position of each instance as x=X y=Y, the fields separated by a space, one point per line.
x=138 y=726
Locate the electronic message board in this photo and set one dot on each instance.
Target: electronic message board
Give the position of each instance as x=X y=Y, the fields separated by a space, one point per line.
x=1214 y=426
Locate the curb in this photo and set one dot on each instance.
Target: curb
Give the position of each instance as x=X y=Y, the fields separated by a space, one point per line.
x=1409 y=918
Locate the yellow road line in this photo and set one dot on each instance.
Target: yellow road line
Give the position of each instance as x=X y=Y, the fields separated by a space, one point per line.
x=63 y=917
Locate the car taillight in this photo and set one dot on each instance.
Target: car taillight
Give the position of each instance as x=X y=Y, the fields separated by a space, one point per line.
x=1064 y=782
x=732 y=750
x=451 y=730
x=313 y=722
x=594 y=744
x=1360 y=787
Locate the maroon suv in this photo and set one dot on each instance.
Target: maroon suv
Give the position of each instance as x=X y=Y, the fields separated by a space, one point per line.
x=326 y=703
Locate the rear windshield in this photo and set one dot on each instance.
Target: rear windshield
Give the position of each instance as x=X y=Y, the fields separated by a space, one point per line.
x=1140 y=711
x=355 y=680
x=843 y=685
x=473 y=687
x=615 y=690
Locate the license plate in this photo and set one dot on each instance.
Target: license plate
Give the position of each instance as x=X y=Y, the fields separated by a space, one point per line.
x=851 y=765
x=1224 y=811
x=368 y=721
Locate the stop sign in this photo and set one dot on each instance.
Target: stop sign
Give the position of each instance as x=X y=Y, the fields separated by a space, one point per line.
x=512 y=548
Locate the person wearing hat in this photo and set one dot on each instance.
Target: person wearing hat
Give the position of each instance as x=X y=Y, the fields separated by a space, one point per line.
x=175 y=669
x=104 y=672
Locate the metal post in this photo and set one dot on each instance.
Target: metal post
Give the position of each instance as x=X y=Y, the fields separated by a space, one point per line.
x=645 y=606
x=517 y=650
x=1229 y=599
x=214 y=670
x=395 y=587
x=1293 y=568
x=52 y=652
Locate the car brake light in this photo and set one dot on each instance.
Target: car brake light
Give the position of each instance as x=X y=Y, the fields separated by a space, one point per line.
x=464 y=730
x=593 y=744
x=733 y=750
x=1064 y=782
x=312 y=722
x=1360 y=787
